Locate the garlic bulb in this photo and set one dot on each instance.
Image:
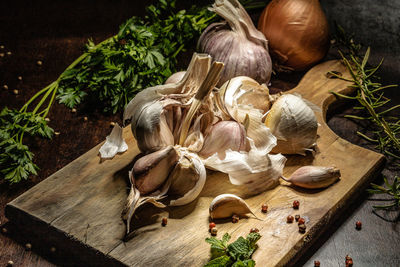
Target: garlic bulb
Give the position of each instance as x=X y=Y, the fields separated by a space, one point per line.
x=227 y=205
x=294 y=124
x=314 y=176
x=237 y=43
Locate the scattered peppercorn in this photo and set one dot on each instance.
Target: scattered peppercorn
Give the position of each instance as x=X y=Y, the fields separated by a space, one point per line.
x=235 y=218
x=85 y=118
x=301 y=221
x=211 y=225
x=19 y=78
x=296 y=204
x=302 y=228
x=5 y=87
x=15 y=91
x=164 y=221
x=297 y=217
x=264 y=208
x=39 y=63
x=28 y=246
x=254 y=230
x=349 y=263
x=317 y=264
x=10 y=263
x=214 y=231
x=358 y=225
x=289 y=219
x=348 y=258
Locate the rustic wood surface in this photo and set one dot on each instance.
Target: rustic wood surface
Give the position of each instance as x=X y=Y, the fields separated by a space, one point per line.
x=54 y=32
x=84 y=200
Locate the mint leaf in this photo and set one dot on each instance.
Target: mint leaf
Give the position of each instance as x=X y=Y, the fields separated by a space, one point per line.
x=219 y=262
x=240 y=249
x=218 y=247
x=246 y=263
x=253 y=238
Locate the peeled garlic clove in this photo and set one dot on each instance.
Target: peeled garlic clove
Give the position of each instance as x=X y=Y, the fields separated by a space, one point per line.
x=224 y=135
x=227 y=205
x=187 y=179
x=176 y=77
x=152 y=170
x=314 y=176
x=293 y=123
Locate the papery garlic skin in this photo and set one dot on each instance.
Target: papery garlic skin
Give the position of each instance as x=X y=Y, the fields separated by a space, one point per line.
x=294 y=124
x=236 y=43
x=114 y=144
x=176 y=77
x=224 y=135
x=314 y=177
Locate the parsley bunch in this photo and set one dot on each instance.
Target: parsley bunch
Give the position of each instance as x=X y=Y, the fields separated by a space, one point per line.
x=236 y=254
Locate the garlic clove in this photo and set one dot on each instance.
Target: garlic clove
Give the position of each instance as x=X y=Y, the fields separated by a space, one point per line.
x=313 y=177
x=187 y=179
x=176 y=77
x=152 y=170
x=256 y=169
x=224 y=135
x=294 y=124
x=227 y=205
x=114 y=144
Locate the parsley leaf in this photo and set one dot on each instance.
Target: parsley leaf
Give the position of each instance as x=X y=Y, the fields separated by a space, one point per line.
x=236 y=254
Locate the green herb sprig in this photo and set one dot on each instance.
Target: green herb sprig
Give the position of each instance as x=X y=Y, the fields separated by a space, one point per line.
x=370 y=97
x=236 y=254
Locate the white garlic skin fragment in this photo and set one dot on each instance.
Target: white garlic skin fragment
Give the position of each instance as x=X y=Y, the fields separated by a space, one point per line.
x=293 y=123
x=114 y=144
x=227 y=205
x=224 y=135
x=314 y=177
x=176 y=77
x=152 y=170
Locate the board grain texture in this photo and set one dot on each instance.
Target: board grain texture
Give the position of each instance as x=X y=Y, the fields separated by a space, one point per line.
x=77 y=209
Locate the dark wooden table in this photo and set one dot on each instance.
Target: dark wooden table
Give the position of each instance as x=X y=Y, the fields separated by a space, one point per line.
x=54 y=32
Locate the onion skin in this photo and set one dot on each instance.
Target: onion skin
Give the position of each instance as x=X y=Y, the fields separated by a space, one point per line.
x=297 y=32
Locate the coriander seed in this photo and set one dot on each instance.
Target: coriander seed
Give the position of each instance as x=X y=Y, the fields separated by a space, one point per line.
x=10 y=263
x=5 y=87
x=85 y=118
x=9 y=53
x=296 y=204
x=1 y=54
x=39 y=63
x=112 y=124
x=302 y=228
x=19 y=78
x=1 y=46
x=47 y=119
x=73 y=110
x=214 y=231
x=15 y=91
x=4 y=230
x=235 y=218
x=53 y=249
x=28 y=246
x=289 y=219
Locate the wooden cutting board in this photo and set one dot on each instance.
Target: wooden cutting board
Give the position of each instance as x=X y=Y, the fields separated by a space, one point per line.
x=77 y=209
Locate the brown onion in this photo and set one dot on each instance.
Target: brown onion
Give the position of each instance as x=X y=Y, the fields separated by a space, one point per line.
x=297 y=31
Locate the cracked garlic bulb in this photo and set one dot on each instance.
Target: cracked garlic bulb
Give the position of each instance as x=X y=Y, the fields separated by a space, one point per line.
x=293 y=123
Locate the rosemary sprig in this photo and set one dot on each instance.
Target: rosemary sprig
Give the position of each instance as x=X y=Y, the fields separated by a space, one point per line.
x=370 y=97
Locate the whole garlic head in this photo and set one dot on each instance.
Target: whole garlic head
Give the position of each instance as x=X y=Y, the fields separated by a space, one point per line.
x=293 y=123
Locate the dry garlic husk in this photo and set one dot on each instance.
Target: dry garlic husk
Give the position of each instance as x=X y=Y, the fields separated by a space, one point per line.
x=293 y=123
x=237 y=43
x=313 y=177
x=245 y=99
x=114 y=144
x=227 y=205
